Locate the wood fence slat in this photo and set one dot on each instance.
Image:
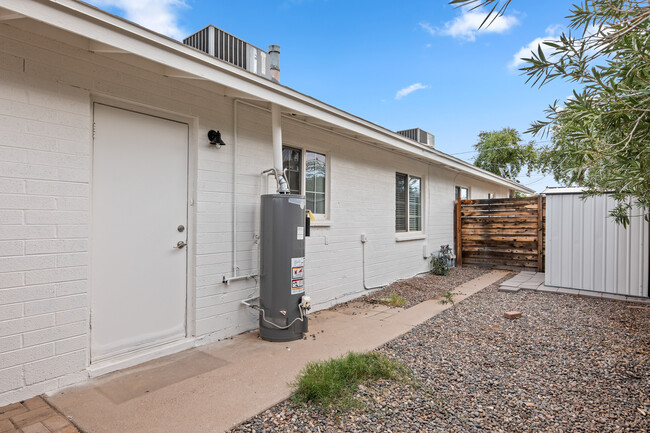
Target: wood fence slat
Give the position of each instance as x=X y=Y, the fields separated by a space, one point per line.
x=502 y=219
x=501 y=200
x=499 y=212
x=498 y=250
x=485 y=226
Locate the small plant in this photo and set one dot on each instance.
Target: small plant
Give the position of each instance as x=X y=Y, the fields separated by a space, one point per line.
x=439 y=266
x=332 y=383
x=448 y=298
x=394 y=300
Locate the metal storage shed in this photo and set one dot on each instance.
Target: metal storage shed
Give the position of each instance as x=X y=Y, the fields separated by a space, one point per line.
x=587 y=250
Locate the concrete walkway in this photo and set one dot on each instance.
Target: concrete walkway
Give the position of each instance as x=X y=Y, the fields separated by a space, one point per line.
x=535 y=281
x=214 y=387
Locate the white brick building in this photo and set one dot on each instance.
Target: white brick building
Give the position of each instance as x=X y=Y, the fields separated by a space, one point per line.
x=92 y=107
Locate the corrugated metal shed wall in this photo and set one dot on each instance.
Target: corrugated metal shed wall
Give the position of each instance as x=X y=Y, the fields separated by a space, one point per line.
x=587 y=250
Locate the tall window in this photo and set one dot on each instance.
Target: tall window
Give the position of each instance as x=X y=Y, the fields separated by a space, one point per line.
x=292 y=163
x=408 y=203
x=308 y=178
x=462 y=193
x=315 y=182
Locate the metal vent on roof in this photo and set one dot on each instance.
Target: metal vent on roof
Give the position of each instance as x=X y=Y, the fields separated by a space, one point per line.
x=231 y=49
x=419 y=135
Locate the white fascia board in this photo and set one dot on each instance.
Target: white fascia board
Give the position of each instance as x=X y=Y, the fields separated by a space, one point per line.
x=564 y=190
x=93 y=23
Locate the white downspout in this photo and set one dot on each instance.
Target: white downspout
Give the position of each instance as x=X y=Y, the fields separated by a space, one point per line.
x=234 y=188
x=276 y=124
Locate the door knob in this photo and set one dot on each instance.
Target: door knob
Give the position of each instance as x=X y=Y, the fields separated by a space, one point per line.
x=180 y=244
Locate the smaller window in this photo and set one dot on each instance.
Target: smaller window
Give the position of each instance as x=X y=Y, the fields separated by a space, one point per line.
x=462 y=193
x=408 y=203
x=307 y=175
x=490 y=195
x=315 y=182
x=292 y=163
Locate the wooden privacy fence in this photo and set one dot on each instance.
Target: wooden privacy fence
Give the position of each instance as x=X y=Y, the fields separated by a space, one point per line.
x=501 y=233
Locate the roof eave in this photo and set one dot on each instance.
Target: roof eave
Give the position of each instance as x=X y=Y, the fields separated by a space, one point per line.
x=82 y=19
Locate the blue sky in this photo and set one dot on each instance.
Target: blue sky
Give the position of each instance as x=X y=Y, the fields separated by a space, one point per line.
x=400 y=64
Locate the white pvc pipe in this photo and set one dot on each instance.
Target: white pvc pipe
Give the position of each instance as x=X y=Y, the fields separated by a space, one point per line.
x=276 y=125
x=235 y=146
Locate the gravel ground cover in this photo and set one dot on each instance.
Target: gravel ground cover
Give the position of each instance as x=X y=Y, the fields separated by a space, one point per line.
x=428 y=286
x=570 y=364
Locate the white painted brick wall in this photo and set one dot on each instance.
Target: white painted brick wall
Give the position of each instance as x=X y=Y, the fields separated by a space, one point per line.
x=45 y=175
x=44 y=191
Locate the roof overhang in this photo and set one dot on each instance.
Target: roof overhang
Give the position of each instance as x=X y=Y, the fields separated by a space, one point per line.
x=109 y=34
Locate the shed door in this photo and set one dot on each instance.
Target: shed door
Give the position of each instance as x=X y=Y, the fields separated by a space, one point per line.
x=139 y=202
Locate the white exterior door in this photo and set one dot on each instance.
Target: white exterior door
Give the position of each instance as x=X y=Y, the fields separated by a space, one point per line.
x=139 y=203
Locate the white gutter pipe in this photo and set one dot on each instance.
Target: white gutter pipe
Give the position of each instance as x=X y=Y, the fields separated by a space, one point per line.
x=276 y=124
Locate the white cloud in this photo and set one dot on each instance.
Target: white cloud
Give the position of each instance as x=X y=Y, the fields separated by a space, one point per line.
x=427 y=28
x=552 y=35
x=466 y=26
x=410 y=89
x=157 y=15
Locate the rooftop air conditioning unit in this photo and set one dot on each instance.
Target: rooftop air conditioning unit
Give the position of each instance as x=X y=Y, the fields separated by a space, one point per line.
x=419 y=135
x=231 y=49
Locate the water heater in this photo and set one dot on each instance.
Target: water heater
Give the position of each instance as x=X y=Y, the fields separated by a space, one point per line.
x=283 y=306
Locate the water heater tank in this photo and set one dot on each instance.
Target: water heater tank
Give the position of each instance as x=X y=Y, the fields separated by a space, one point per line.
x=282 y=264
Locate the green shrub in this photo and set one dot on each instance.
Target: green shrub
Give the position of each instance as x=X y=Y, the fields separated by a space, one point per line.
x=439 y=266
x=332 y=383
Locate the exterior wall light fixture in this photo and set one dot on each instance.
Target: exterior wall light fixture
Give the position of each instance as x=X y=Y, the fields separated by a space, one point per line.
x=215 y=138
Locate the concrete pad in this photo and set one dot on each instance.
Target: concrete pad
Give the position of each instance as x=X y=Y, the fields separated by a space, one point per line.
x=564 y=291
x=590 y=294
x=614 y=297
x=237 y=378
x=530 y=286
x=645 y=301
x=549 y=289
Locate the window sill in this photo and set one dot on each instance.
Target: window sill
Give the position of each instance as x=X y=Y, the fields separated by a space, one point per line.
x=403 y=237
x=320 y=223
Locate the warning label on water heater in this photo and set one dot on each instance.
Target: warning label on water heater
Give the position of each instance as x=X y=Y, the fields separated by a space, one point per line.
x=297 y=275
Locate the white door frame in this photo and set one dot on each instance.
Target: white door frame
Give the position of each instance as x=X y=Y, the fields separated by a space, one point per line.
x=137 y=357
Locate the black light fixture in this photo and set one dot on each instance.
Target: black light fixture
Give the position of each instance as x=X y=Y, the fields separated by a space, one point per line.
x=215 y=138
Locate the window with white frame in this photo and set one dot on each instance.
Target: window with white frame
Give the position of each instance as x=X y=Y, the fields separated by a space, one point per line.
x=408 y=203
x=462 y=193
x=490 y=195
x=307 y=175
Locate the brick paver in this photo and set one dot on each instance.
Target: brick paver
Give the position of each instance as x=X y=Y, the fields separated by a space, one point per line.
x=33 y=416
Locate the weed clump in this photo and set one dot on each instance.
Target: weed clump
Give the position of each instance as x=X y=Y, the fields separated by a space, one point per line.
x=332 y=383
x=394 y=300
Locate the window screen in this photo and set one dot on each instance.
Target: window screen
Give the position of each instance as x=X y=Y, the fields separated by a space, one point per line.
x=315 y=182
x=415 y=205
x=400 y=202
x=291 y=162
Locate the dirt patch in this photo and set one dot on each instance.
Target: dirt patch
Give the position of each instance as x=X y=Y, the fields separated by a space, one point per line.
x=423 y=287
